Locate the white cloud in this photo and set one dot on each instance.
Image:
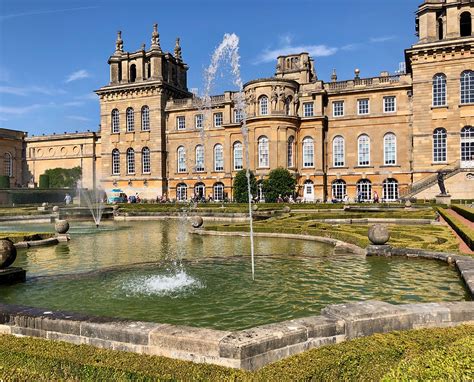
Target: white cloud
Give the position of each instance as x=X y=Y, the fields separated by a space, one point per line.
x=28 y=90
x=18 y=110
x=382 y=39
x=313 y=50
x=78 y=118
x=88 y=97
x=35 y=13
x=73 y=103
x=77 y=75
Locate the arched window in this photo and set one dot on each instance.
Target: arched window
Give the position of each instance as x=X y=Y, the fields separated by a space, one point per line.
x=146 y=161
x=364 y=190
x=181 y=192
x=467 y=87
x=8 y=164
x=238 y=115
x=467 y=147
x=199 y=158
x=338 y=189
x=389 y=149
x=218 y=158
x=145 y=118
x=291 y=148
x=465 y=26
x=115 y=162
x=363 y=144
x=238 y=156
x=133 y=73
x=440 y=28
x=439 y=145
x=130 y=119
x=181 y=159
x=218 y=192
x=263 y=105
x=439 y=90
x=130 y=161
x=115 y=121
x=200 y=191
x=263 y=154
x=338 y=156
x=308 y=152
x=390 y=189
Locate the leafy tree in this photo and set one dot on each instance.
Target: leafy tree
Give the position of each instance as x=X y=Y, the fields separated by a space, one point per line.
x=240 y=186
x=63 y=177
x=279 y=182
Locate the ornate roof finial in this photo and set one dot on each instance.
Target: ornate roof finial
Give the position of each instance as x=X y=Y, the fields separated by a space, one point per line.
x=177 y=50
x=334 y=75
x=119 y=43
x=155 y=38
x=143 y=46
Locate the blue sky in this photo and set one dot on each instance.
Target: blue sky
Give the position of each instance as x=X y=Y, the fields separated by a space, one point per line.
x=53 y=54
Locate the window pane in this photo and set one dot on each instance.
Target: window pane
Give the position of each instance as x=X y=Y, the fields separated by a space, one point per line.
x=364 y=150
x=238 y=156
x=338 y=108
x=439 y=90
x=263 y=155
x=218 y=158
x=308 y=152
x=338 y=152
x=145 y=118
x=390 y=149
x=467 y=87
x=146 y=163
x=439 y=145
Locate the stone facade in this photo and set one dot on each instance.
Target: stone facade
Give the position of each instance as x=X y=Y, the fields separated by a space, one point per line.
x=66 y=151
x=384 y=136
x=12 y=154
x=356 y=137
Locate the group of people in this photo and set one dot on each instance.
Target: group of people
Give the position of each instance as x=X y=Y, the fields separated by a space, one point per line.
x=358 y=198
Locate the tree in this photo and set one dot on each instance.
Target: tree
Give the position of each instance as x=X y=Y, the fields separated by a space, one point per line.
x=63 y=177
x=240 y=186
x=279 y=182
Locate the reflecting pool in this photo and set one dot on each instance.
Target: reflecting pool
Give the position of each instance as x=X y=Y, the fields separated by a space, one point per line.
x=157 y=271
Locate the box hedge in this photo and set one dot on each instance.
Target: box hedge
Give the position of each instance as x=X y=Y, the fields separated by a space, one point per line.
x=466 y=233
x=466 y=212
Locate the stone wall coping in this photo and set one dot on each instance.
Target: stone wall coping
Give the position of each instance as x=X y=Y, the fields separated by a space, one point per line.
x=249 y=348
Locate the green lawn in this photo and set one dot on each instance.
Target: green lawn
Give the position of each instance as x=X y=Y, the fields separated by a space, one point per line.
x=429 y=354
x=431 y=237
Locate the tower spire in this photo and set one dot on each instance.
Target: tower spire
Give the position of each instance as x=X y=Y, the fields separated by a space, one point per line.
x=155 y=38
x=177 y=50
x=119 y=43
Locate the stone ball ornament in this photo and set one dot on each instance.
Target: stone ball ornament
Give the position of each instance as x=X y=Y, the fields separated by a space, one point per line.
x=197 y=222
x=378 y=234
x=44 y=204
x=286 y=209
x=61 y=226
x=254 y=207
x=55 y=209
x=408 y=204
x=7 y=253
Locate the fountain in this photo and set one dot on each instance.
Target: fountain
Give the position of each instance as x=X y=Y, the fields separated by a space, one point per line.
x=229 y=50
x=95 y=202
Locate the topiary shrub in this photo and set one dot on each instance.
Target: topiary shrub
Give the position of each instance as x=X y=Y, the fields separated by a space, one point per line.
x=44 y=181
x=4 y=181
x=241 y=187
x=279 y=183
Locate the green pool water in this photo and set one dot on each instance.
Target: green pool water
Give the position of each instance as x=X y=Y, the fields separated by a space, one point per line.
x=156 y=271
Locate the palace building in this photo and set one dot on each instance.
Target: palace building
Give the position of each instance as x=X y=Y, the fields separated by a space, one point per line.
x=389 y=134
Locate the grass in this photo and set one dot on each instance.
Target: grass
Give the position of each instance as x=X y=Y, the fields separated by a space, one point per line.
x=430 y=237
x=20 y=211
x=16 y=237
x=435 y=354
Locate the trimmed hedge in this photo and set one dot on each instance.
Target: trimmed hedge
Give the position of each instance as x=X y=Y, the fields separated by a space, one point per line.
x=4 y=181
x=44 y=181
x=426 y=354
x=466 y=212
x=466 y=234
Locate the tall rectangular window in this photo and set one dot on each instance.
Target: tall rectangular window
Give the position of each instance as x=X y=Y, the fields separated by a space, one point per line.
x=363 y=106
x=338 y=108
x=218 y=120
x=308 y=109
x=389 y=104
x=199 y=121
x=238 y=116
x=180 y=122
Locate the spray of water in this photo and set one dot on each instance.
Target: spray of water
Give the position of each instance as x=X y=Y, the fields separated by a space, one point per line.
x=95 y=202
x=228 y=51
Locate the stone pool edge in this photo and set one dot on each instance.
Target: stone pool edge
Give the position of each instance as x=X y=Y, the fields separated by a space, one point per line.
x=253 y=348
